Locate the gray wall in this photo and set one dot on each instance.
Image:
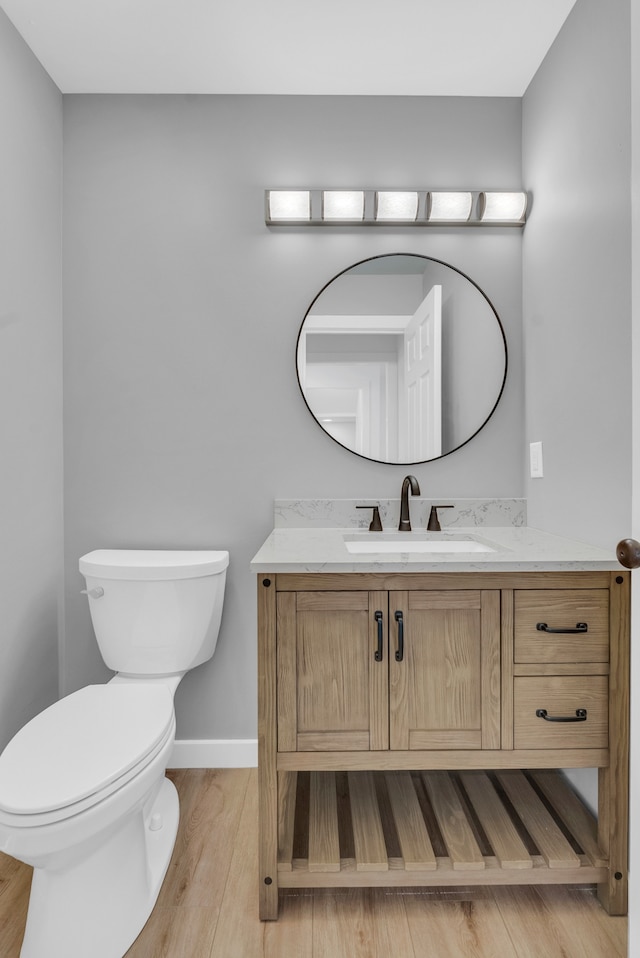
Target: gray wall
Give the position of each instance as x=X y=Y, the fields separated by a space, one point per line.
x=30 y=383
x=577 y=283
x=183 y=418
x=576 y=277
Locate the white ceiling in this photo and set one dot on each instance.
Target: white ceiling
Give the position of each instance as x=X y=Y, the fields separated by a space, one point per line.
x=404 y=47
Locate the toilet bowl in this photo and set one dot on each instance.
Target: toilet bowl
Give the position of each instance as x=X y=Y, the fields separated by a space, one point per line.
x=83 y=792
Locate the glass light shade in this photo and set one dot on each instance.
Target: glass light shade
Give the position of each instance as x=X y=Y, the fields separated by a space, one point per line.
x=448 y=207
x=503 y=207
x=343 y=204
x=396 y=205
x=289 y=205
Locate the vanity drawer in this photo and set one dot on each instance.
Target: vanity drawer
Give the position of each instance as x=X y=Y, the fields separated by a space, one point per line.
x=561 y=696
x=561 y=609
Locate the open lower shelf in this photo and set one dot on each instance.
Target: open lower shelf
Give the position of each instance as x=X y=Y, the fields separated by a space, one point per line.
x=434 y=828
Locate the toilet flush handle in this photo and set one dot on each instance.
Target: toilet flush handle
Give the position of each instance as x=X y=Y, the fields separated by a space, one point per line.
x=96 y=593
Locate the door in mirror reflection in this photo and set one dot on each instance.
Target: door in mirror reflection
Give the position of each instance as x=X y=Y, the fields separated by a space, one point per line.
x=420 y=408
x=401 y=358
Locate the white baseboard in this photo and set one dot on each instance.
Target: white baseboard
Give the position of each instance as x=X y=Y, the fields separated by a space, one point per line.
x=214 y=753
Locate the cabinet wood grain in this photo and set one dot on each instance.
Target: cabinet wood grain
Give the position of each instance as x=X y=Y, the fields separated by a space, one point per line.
x=424 y=689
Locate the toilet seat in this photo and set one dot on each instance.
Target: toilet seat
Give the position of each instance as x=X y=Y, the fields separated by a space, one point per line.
x=82 y=749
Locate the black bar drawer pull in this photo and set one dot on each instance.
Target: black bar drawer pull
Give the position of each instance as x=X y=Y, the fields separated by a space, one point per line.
x=580 y=716
x=378 y=655
x=400 y=650
x=580 y=627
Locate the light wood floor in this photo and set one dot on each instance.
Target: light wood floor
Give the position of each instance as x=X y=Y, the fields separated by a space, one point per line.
x=208 y=904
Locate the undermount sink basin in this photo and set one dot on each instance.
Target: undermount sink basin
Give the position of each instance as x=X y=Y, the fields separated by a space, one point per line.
x=403 y=542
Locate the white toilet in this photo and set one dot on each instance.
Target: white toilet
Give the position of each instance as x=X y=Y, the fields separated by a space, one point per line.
x=83 y=793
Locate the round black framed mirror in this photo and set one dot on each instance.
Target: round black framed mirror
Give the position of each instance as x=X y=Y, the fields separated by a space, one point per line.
x=401 y=358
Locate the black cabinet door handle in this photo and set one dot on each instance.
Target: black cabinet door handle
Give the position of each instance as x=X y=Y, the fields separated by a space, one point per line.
x=580 y=627
x=580 y=716
x=400 y=650
x=378 y=655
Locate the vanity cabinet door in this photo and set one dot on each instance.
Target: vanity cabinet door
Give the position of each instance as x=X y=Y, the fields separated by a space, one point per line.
x=444 y=669
x=332 y=671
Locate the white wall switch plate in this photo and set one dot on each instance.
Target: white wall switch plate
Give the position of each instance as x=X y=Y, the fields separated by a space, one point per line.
x=535 y=460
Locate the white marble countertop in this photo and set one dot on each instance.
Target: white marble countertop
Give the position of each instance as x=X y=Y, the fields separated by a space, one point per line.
x=514 y=549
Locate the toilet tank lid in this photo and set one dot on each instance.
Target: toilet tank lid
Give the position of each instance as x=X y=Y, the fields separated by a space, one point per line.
x=153 y=563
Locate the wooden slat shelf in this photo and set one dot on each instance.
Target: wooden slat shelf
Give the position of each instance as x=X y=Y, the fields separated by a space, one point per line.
x=436 y=828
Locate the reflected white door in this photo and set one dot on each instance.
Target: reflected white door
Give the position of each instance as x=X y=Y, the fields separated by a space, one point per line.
x=339 y=394
x=421 y=390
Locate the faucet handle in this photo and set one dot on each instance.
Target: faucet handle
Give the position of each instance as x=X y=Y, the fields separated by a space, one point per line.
x=376 y=523
x=434 y=523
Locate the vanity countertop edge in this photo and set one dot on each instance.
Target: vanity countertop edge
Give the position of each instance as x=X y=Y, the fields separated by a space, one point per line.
x=516 y=549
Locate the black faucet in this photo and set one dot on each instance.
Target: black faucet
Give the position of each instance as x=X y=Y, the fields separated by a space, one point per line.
x=408 y=481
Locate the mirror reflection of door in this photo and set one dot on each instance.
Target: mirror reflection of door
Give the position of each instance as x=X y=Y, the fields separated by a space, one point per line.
x=420 y=407
x=401 y=358
x=351 y=379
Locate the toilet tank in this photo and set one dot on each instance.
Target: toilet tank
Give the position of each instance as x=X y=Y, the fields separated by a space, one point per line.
x=155 y=611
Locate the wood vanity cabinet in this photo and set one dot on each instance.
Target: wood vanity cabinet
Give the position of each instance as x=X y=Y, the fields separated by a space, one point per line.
x=411 y=727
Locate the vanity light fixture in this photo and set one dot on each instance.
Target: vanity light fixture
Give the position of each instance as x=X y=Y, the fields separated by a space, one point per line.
x=396 y=205
x=500 y=207
x=288 y=206
x=343 y=205
x=400 y=208
x=449 y=207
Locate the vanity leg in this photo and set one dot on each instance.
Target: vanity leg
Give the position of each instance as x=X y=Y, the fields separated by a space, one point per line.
x=267 y=746
x=612 y=838
x=613 y=782
x=267 y=851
